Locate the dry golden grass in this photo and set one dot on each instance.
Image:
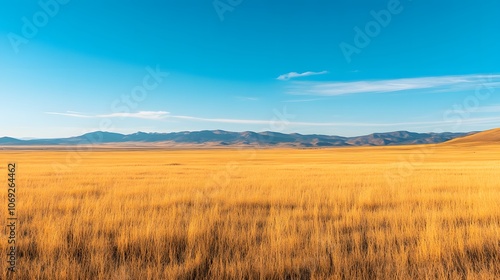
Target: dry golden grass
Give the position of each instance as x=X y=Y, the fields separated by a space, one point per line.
x=421 y=212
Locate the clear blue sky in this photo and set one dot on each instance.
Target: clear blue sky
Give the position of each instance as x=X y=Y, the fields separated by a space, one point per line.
x=330 y=67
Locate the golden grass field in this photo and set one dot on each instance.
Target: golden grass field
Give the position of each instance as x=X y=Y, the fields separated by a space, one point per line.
x=409 y=212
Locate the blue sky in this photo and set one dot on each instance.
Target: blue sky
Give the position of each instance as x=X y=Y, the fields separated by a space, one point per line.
x=332 y=67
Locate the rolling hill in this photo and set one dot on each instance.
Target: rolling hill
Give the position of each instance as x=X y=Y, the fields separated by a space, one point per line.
x=488 y=136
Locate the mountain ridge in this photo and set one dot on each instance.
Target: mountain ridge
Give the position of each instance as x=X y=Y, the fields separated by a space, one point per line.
x=249 y=138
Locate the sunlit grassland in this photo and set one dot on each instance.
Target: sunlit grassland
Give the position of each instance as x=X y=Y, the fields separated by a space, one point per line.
x=346 y=213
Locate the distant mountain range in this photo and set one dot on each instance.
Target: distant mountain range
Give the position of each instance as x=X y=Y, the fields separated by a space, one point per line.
x=247 y=138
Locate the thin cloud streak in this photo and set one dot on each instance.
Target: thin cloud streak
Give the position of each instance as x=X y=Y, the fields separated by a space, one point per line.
x=489 y=109
x=69 y=114
x=162 y=115
x=443 y=83
x=291 y=75
x=246 y=98
x=235 y=121
x=149 y=115
x=303 y=100
x=333 y=124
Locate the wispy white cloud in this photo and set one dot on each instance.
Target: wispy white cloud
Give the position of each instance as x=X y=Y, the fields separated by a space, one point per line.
x=303 y=100
x=473 y=110
x=165 y=116
x=70 y=114
x=441 y=83
x=489 y=109
x=222 y=120
x=465 y=121
x=150 y=115
x=292 y=75
x=247 y=98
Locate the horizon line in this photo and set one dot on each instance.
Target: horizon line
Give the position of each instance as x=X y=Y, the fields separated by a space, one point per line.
x=257 y=132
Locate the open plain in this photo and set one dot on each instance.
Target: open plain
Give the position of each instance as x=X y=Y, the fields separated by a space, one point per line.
x=405 y=212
